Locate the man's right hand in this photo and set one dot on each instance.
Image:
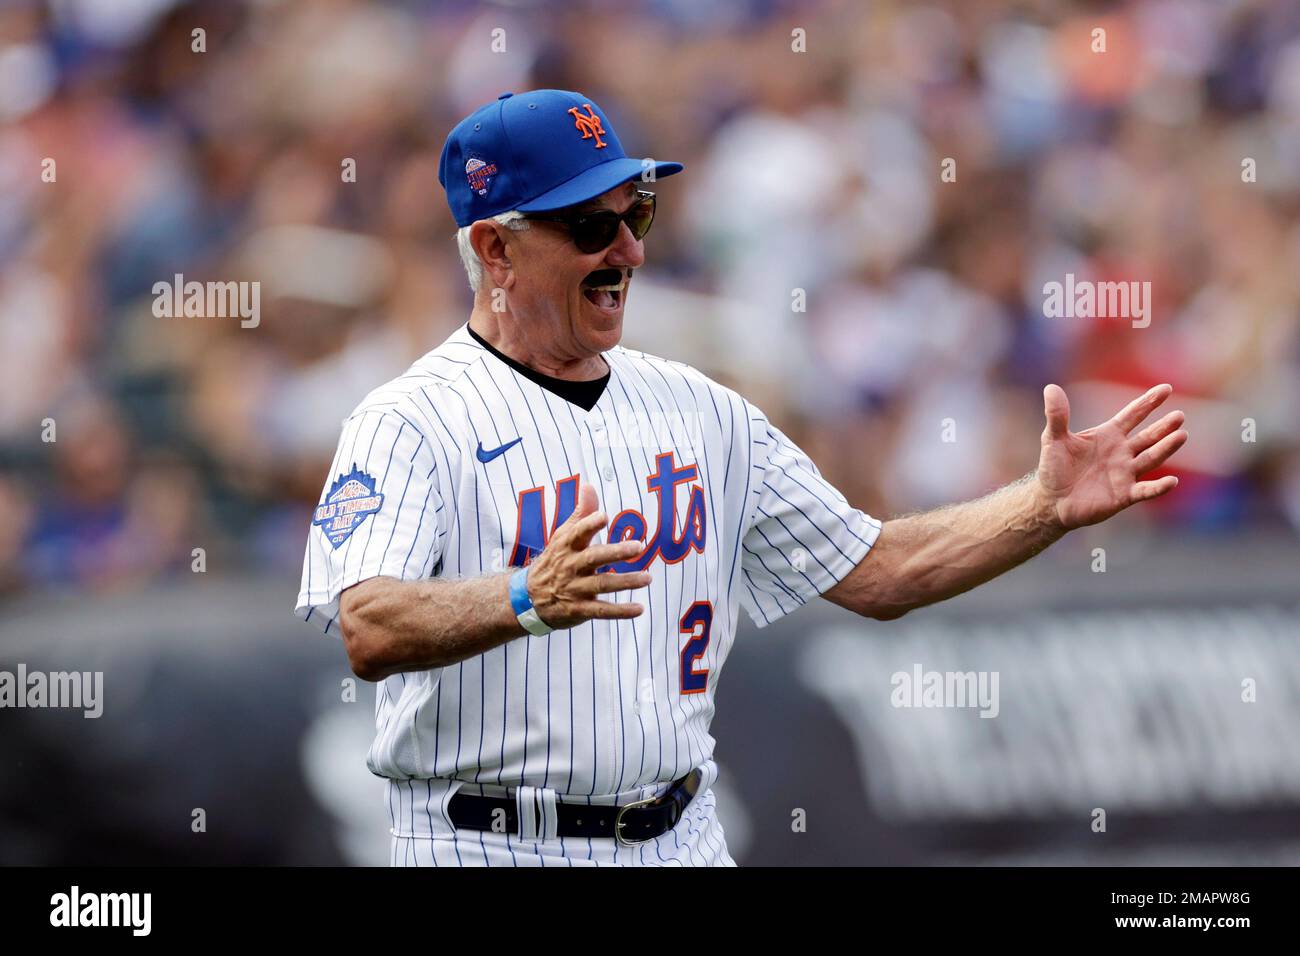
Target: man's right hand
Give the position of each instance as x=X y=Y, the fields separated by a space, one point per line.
x=563 y=582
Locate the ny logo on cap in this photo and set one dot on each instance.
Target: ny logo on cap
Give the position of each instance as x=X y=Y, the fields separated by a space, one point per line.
x=589 y=124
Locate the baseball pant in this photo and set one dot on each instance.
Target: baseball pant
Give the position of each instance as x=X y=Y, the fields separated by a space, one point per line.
x=423 y=834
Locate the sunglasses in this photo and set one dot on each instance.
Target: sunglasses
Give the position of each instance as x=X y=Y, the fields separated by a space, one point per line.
x=594 y=231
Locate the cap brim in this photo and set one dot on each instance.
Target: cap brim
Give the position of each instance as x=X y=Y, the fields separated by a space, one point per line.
x=593 y=182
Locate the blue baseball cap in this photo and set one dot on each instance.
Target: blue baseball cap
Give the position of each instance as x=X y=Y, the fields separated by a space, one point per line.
x=535 y=152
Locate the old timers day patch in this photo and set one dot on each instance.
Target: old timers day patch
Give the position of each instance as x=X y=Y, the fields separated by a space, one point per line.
x=351 y=498
x=479 y=173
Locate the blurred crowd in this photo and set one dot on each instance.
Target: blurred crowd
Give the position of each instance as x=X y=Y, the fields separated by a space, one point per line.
x=815 y=254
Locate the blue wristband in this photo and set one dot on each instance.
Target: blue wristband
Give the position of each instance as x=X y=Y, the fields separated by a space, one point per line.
x=519 y=599
x=522 y=604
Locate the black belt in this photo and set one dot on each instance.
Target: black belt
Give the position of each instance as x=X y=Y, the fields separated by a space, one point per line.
x=630 y=824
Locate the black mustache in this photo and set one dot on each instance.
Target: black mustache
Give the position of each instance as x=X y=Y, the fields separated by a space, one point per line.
x=605 y=277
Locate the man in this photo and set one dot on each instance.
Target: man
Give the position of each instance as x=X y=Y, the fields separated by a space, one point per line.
x=546 y=585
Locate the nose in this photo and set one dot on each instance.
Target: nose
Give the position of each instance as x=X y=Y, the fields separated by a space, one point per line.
x=626 y=249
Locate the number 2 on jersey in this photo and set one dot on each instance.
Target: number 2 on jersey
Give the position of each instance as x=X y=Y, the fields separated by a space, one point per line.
x=696 y=622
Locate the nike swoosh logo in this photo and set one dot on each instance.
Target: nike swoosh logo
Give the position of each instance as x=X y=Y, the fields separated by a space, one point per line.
x=487 y=456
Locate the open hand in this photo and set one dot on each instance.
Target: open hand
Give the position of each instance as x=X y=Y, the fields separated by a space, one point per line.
x=1088 y=476
x=563 y=582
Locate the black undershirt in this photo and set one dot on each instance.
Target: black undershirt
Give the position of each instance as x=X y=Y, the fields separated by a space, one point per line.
x=583 y=394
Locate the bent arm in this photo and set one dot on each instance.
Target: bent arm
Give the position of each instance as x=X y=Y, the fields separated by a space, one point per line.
x=390 y=625
x=925 y=558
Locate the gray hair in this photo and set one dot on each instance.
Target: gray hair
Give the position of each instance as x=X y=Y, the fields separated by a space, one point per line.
x=513 y=219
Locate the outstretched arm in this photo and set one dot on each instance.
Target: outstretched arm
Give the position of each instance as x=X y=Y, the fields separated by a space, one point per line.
x=1082 y=478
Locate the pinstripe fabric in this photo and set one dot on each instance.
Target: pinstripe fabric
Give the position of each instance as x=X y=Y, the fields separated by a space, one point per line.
x=424 y=836
x=603 y=708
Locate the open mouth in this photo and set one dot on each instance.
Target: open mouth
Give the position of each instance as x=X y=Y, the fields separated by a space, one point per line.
x=605 y=288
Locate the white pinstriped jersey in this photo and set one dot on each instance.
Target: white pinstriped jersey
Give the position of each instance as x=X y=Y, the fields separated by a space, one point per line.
x=462 y=467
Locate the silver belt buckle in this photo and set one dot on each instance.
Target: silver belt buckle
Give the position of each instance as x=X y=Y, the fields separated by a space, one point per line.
x=619 y=824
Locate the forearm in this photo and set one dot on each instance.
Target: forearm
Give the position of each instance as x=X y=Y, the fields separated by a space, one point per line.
x=391 y=626
x=924 y=558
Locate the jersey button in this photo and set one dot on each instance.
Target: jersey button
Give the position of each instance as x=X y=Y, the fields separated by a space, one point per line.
x=607 y=472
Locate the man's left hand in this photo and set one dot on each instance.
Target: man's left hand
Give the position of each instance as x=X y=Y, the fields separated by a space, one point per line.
x=1085 y=477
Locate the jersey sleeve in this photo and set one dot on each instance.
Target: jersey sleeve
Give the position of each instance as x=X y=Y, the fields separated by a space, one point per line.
x=381 y=513
x=802 y=536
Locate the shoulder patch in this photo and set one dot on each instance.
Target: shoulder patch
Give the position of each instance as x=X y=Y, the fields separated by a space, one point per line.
x=351 y=498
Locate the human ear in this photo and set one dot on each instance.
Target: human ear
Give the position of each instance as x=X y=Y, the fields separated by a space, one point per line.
x=489 y=241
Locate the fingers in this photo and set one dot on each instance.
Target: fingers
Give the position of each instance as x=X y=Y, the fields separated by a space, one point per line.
x=602 y=554
x=583 y=531
x=1157 y=453
x=607 y=610
x=1153 y=433
x=567 y=576
x=1056 y=409
x=1132 y=414
x=588 y=501
x=610 y=581
x=585 y=520
x=1145 y=490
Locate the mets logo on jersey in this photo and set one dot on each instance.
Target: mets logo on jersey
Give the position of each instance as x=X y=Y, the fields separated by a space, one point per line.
x=479 y=174
x=351 y=498
x=589 y=123
x=665 y=544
